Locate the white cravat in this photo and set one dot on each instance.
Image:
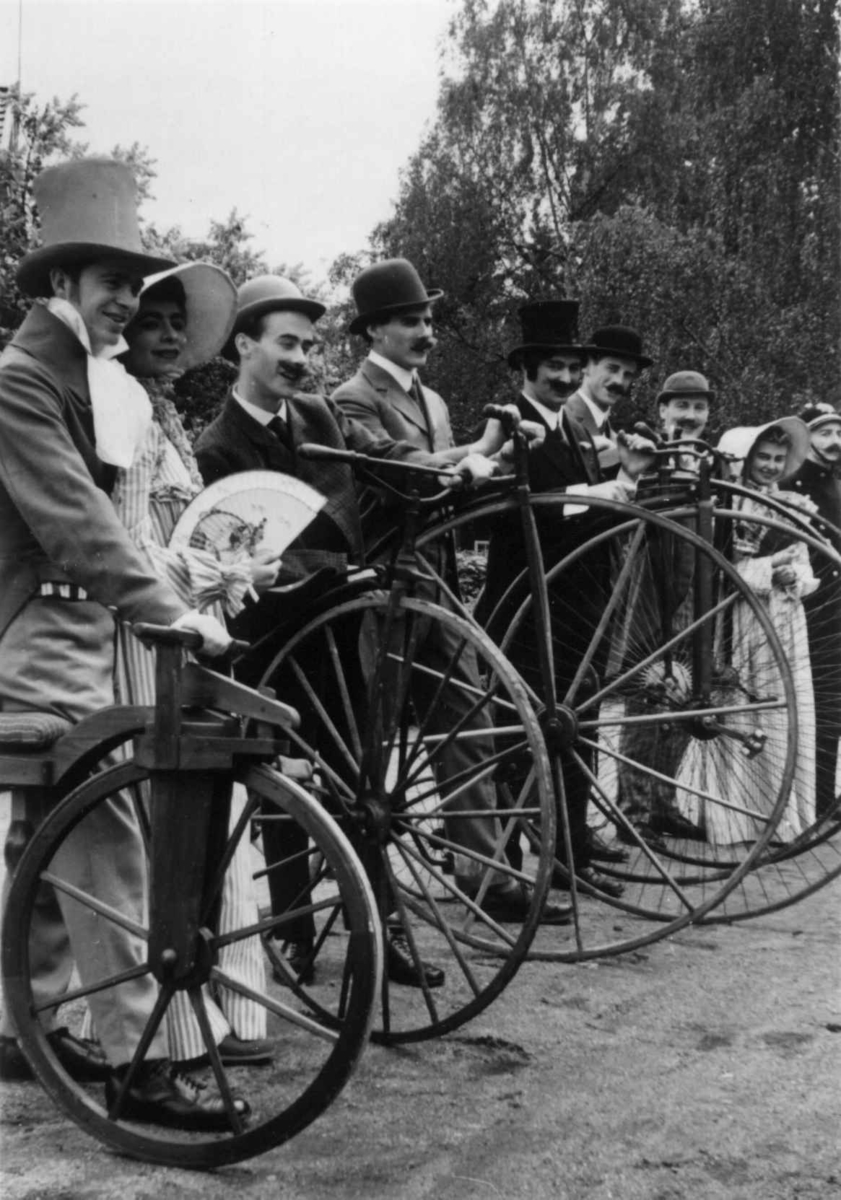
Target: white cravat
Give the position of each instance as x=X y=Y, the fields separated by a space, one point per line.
x=122 y=412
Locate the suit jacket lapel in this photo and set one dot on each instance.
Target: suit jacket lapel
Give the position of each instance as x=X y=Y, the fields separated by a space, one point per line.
x=269 y=451
x=388 y=387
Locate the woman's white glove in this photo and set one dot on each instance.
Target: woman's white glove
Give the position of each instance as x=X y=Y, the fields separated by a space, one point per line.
x=215 y=636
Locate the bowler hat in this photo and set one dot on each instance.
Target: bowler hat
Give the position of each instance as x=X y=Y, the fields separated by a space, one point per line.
x=390 y=286
x=620 y=342
x=265 y=294
x=211 y=300
x=88 y=211
x=816 y=415
x=550 y=325
x=685 y=383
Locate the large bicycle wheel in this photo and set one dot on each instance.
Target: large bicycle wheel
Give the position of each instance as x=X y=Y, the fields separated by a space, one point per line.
x=428 y=750
x=311 y=1062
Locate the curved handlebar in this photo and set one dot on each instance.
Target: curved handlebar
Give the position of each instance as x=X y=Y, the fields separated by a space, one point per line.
x=314 y=452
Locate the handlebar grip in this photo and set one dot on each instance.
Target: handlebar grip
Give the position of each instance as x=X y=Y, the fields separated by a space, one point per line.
x=165 y=635
x=501 y=411
x=647 y=432
x=312 y=450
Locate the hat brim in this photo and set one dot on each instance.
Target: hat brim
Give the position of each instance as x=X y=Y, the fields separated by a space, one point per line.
x=641 y=360
x=33 y=270
x=211 y=308
x=549 y=347
x=361 y=322
x=258 y=308
x=740 y=441
x=664 y=396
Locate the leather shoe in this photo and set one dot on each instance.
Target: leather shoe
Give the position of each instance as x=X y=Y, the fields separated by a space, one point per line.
x=400 y=966
x=163 y=1095
x=674 y=824
x=588 y=881
x=297 y=957
x=83 y=1060
x=511 y=900
x=596 y=847
x=234 y=1052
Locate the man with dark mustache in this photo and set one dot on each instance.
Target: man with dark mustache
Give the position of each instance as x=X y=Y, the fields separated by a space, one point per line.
x=550 y=361
x=819 y=478
x=386 y=396
x=613 y=362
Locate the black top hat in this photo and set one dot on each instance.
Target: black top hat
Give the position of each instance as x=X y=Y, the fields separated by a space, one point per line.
x=550 y=325
x=88 y=210
x=620 y=341
x=390 y=286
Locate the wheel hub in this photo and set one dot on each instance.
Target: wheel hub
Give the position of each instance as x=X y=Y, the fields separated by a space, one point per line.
x=560 y=728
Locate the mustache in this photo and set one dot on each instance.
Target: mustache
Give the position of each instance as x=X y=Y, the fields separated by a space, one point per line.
x=293 y=373
x=616 y=389
x=423 y=344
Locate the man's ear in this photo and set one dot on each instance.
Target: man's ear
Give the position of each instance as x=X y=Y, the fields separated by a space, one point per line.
x=60 y=282
x=243 y=344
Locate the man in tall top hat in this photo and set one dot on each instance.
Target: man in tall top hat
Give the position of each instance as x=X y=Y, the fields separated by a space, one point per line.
x=549 y=359
x=613 y=360
x=819 y=478
x=67 y=565
x=387 y=397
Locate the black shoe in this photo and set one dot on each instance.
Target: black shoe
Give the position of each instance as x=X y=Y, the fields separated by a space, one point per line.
x=673 y=824
x=599 y=849
x=83 y=1060
x=588 y=881
x=400 y=966
x=233 y=1052
x=163 y=1095
x=298 y=959
x=510 y=902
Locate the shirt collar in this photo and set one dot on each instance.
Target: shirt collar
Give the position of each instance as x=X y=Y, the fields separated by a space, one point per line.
x=399 y=374
x=259 y=414
x=552 y=416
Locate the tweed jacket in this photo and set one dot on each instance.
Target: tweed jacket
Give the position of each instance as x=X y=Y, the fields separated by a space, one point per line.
x=57 y=522
x=373 y=398
x=577 y=408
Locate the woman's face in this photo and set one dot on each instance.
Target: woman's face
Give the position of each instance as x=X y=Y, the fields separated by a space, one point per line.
x=156 y=337
x=767 y=463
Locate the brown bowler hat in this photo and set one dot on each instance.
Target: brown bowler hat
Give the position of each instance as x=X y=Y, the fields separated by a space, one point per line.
x=390 y=286
x=265 y=294
x=620 y=341
x=88 y=211
x=550 y=325
x=685 y=383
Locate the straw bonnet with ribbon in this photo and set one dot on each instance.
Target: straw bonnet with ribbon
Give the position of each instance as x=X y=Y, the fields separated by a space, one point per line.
x=265 y=294
x=617 y=341
x=385 y=288
x=211 y=308
x=740 y=442
x=685 y=383
x=550 y=326
x=88 y=211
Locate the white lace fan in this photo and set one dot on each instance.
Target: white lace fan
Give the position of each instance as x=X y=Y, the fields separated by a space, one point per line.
x=246 y=512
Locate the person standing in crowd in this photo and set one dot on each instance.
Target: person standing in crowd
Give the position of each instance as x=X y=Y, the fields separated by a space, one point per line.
x=819 y=478
x=388 y=399
x=67 y=565
x=777 y=570
x=662 y=602
x=613 y=361
x=550 y=361
x=184 y=319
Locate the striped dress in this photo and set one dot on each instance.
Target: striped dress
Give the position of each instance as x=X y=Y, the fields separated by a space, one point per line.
x=149 y=497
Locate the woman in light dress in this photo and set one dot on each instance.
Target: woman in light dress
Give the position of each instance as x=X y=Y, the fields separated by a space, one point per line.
x=775 y=566
x=184 y=319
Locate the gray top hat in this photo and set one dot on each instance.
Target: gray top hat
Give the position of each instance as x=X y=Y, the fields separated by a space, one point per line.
x=88 y=210
x=390 y=286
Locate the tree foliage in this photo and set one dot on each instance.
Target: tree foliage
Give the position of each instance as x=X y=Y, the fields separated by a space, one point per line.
x=672 y=163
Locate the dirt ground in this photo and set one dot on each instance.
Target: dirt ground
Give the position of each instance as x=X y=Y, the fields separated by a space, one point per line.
x=704 y=1067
